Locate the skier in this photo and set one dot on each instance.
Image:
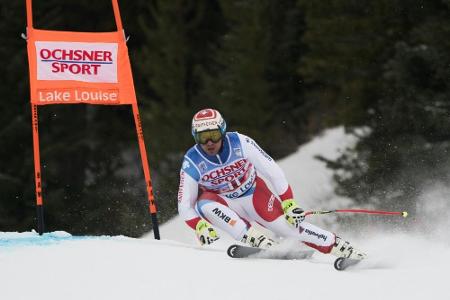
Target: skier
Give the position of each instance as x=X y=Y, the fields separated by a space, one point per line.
x=220 y=185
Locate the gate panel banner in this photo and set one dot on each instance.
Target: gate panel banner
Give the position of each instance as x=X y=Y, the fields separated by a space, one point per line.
x=68 y=67
x=79 y=67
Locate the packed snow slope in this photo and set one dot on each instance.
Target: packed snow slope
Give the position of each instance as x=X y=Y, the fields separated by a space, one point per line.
x=400 y=265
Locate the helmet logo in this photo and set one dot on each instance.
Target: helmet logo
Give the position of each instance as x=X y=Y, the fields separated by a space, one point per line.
x=205 y=114
x=206 y=124
x=208 y=119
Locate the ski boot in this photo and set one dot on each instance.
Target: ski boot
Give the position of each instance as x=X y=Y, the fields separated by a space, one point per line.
x=255 y=238
x=343 y=249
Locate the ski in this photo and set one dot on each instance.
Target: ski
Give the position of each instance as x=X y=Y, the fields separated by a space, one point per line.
x=343 y=263
x=240 y=251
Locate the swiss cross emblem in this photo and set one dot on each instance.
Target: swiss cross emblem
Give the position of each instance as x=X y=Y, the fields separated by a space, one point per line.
x=205 y=114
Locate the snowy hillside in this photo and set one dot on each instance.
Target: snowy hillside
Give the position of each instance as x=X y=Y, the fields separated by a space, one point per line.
x=60 y=266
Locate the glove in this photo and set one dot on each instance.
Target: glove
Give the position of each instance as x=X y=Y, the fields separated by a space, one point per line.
x=292 y=212
x=206 y=234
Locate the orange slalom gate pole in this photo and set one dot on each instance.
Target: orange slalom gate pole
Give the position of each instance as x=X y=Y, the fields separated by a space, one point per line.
x=37 y=169
x=36 y=153
x=145 y=167
x=116 y=10
x=110 y=84
x=141 y=141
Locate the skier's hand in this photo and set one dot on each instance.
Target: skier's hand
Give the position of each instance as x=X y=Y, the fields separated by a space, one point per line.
x=206 y=234
x=292 y=212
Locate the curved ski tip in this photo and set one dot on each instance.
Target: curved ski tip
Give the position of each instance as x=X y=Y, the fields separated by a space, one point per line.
x=230 y=250
x=404 y=214
x=338 y=263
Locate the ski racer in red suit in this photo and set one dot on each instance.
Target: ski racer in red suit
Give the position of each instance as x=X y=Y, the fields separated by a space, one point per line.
x=220 y=185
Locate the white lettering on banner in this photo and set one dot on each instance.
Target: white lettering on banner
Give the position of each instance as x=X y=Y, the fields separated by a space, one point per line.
x=77 y=96
x=87 y=62
x=53 y=96
x=95 y=96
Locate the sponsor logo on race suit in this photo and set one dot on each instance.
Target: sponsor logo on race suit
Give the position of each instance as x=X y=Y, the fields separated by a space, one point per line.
x=223 y=216
x=202 y=166
x=313 y=233
x=231 y=180
x=252 y=142
x=270 y=203
x=180 y=190
x=186 y=164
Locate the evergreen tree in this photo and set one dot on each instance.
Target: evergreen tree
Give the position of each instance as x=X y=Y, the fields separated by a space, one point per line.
x=15 y=134
x=255 y=72
x=410 y=143
x=176 y=41
x=82 y=146
x=348 y=42
x=399 y=86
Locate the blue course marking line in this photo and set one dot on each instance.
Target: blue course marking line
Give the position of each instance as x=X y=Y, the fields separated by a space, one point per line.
x=43 y=240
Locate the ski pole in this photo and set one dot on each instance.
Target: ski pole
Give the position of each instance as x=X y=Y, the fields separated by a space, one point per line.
x=404 y=214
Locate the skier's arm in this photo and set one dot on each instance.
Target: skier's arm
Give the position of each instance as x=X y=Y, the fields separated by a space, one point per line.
x=266 y=166
x=188 y=192
x=187 y=196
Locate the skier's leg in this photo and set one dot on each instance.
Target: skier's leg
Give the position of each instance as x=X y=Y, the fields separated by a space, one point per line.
x=216 y=210
x=315 y=237
x=345 y=249
x=265 y=208
x=226 y=215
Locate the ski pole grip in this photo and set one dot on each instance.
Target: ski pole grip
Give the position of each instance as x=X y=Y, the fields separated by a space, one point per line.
x=318 y=212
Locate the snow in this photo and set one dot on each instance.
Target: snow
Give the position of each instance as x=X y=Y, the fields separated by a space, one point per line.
x=58 y=265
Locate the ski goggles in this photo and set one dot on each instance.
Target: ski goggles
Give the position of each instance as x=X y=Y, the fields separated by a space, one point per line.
x=210 y=135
